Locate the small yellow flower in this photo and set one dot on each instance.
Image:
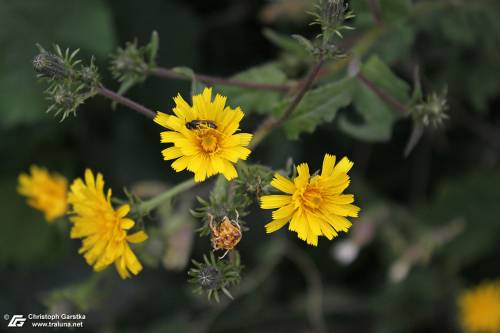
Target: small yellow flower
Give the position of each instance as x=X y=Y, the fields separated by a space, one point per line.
x=480 y=308
x=103 y=229
x=45 y=192
x=204 y=136
x=313 y=205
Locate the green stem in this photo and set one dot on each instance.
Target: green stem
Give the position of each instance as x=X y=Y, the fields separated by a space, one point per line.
x=147 y=206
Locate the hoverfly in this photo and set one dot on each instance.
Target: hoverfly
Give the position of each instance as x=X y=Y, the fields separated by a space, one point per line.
x=198 y=124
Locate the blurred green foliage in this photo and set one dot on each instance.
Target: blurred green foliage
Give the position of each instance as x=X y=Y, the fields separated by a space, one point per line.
x=452 y=175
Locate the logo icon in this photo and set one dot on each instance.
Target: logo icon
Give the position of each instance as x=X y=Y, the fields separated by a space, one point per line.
x=17 y=321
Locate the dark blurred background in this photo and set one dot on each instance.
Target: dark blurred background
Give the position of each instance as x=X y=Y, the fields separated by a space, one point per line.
x=429 y=226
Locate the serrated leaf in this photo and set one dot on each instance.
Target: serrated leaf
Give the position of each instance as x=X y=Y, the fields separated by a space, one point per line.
x=251 y=100
x=377 y=116
x=318 y=106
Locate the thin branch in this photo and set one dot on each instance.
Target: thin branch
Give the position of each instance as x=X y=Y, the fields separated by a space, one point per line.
x=171 y=74
x=126 y=102
x=271 y=123
x=388 y=99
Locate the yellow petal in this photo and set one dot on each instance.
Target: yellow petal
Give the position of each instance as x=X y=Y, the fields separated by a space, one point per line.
x=123 y=210
x=137 y=237
x=126 y=224
x=283 y=184
x=274 y=201
x=275 y=225
x=343 y=166
x=171 y=153
x=229 y=170
x=328 y=164
x=181 y=163
x=284 y=212
x=303 y=178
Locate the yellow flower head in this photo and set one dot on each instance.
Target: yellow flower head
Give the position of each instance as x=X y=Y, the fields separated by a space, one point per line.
x=103 y=229
x=480 y=308
x=204 y=136
x=313 y=205
x=45 y=192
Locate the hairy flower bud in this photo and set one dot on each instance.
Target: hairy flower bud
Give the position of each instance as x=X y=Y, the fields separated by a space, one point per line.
x=209 y=277
x=50 y=66
x=214 y=275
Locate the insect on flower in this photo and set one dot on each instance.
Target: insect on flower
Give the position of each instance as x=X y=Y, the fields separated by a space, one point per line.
x=200 y=124
x=226 y=234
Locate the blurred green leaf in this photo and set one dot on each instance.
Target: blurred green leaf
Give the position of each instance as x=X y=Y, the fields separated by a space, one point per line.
x=378 y=117
x=318 y=106
x=251 y=100
x=394 y=10
x=84 y=24
x=26 y=239
x=288 y=44
x=474 y=198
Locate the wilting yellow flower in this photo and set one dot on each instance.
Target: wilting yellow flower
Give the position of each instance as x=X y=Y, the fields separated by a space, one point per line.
x=204 y=136
x=480 y=308
x=45 y=192
x=313 y=205
x=103 y=229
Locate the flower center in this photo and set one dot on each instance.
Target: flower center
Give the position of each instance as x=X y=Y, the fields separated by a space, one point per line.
x=209 y=142
x=310 y=197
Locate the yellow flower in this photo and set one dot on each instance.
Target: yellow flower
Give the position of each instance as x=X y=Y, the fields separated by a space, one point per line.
x=204 y=136
x=45 y=192
x=480 y=308
x=103 y=229
x=313 y=205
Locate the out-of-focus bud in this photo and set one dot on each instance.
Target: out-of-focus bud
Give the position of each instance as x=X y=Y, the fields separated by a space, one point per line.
x=432 y=110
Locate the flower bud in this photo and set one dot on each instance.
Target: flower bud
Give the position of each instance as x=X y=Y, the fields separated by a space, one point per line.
x=432 y=110
x=50 y=66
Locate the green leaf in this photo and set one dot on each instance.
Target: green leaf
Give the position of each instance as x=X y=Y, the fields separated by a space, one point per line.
x=394 y=10
x=287 y=43
x=252 y=100
x=473 y=198
x=306 y=43
x=378 y=117
x=86 y=25
x=153 y=47
x=318 y=106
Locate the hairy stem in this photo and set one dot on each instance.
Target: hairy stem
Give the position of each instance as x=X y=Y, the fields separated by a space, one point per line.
x=147 y=206
x=270 y=123
x=126 y=102
x=207 y=79
x=388 y=99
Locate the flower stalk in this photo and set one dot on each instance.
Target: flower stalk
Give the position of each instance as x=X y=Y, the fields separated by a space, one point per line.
x=146 y=207
x=103 y=91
